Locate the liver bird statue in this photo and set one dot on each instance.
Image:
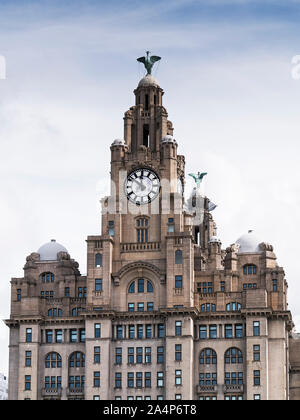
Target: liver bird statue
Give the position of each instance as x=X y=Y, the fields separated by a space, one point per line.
x=198 y=177
x=149 y=61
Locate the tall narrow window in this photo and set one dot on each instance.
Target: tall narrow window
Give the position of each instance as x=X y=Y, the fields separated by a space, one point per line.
x=146 y=102
x=178 y=257
x=146 y=135
x=178 y=328
x=19 y=295
x=142 y=225
x=28 y=335
x=98 y=285
x=98 y=260
x=256 y=328
x=27 y=358
x=178 y=282
x=97 y=330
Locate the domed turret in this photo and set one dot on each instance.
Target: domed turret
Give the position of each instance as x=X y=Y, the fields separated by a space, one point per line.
x=249 y=243
x=147 y=81
x=49 y=251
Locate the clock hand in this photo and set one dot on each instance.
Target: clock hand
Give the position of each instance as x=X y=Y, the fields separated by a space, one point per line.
x=140 y=184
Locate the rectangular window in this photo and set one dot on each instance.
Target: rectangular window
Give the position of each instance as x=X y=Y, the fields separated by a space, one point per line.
x=82 y=335
x=97 y=354
x=148 y=331
x=139 y=379
x=118 y=380
x=228 y=331
x=213 y=331
x=119 y=332
x=160 y=354
x=238 y=330
x=67 y=292
x=80 y=292
x=18 y=295
x=148 y=355
x=98 y=285
x=147 y=380
x=256 y=377
x=58 y=336
x=274 y=285
x=49 y=336
x=140 y=331
x=28 y=335
x=28 y=358
x=27 y=382
x=256 y=397
x=118 y=356
x=96 y=379
x=139 y=355
x=178 y=352
x=256 y=353
x=178 y=282
x=131 y=331
x=203 y=332
x=178 y=377
x=178 y=328
x=97 y=330
x=150 y=306
x=160 y=379
x=73 y=336
x=256 y=328
x=130 y=380
x=161 y=330
x=140 y=307
x=130 y=358
x=130 y=307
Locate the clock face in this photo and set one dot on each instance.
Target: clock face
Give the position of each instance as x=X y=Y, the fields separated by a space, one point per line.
x=142 y=186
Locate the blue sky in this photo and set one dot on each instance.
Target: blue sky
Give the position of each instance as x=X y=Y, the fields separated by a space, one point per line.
x=71 y=71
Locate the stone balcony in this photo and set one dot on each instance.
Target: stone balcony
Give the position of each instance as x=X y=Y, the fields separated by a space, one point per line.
x=140 y=246
x=206 y=389
x=233 y=389
x=75 y=392
x=51 y=392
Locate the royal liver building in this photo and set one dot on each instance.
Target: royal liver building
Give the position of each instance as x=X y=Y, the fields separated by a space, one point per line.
x=164 y=313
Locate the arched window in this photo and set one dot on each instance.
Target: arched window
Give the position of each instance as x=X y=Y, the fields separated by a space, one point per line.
x=250 y=269
x=53 y=360
x=142 y=226
x=98 y=260
x=132 y=287
x=208 y=357
x=55 y=312
x=77 y=359
x=233 y=355
x=142 y=286
x=77 y=311
x=149 y=287
x=208 y=307
x=178 y=257
x=233 y=307
x=47 y=277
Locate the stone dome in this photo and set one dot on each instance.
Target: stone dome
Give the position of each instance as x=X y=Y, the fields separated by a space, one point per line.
x=214 y=239
x=249 y=243
x=118 y=142
x=168 y=139
x=49 y=251
x=148 y=80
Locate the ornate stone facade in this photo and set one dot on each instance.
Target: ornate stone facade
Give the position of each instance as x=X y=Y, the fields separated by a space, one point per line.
x=164 y=312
